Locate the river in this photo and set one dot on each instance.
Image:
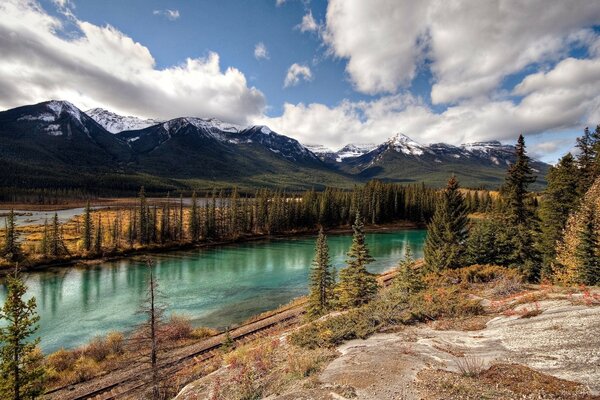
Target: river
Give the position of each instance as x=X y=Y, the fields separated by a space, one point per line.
x=215 y=287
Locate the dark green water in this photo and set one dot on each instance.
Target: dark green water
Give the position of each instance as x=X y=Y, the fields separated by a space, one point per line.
x=216 y=287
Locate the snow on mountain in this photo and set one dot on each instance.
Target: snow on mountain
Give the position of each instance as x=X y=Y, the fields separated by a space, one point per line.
x=52 y=111
x=404 y=144
x=319 y=149
x=115 y=123
x=354 y=150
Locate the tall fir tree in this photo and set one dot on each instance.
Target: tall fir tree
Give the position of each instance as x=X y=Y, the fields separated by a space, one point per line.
x=21 y=367
x=356 y=286
x=322 y=279
x=87 y=228
x=588 y=250
x=559 y=199
x=11 y=248
x=587 y=158
x=518 y=215
x=98 y=238
x=57 y=246
x=143 y=225
x=194 y=222
x=515 y=188
x=447 y=231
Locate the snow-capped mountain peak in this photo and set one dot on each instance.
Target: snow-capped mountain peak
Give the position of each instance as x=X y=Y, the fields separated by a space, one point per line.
x=404 y=144
x=115 y=123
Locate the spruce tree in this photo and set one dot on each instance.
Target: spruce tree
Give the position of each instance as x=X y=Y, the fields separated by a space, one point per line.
x=194 y=222
x=586 y=159
x=87 y=228
x=143 y=231
x=408 y=280
x=559 y=199
x=447 y=231
x=98 y=237
x=45 y=244
x=518 y=215
x=322 y=279
x=514 y=191
x=21 y=366
x=11 y=249
x=57 y=246
x=356 y=286
x=588 y=250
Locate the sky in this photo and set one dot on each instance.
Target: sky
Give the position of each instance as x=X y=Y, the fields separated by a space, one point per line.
x=324 y=72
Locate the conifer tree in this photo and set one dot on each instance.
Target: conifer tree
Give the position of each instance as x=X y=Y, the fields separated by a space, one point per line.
x=322 y=279
x=87 y=228
x=57 y=246
x=21 y=366
x=11 y=248
x=356 y=285
x=514 y=191
x=586 y=159
x=194 y=222
x=98 y=237
x=409 y=280
x=559 y=199
x=447 y=231
x=588 y=250
x=180 y=219
x=45 y=244
x=143 y=218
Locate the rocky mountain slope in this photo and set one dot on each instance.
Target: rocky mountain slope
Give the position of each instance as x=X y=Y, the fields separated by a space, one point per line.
x=54 y=144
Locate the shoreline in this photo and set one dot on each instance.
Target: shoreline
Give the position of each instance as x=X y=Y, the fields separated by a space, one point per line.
x=175 y=246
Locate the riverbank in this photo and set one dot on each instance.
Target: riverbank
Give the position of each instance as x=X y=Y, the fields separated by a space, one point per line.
x=40 y=265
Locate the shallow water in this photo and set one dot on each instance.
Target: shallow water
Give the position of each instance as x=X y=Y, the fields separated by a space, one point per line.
x=216 y=287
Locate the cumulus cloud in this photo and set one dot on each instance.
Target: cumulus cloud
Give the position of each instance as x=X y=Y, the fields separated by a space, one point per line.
x=104 y=67
x=470 y=46
x=308 y=23
x=295 y=73
x=261 y=52
x=564 y=98
x=171 y=15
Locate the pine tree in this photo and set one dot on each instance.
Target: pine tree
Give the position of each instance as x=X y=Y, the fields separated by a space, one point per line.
x=586 y=159
x=45 y=245
x=98 y=237
x=87 y=228
x=588 y=251
x=143 y=219
x=559 y=199
x=21 y=366
x=194 y=222
x=356 y=285
x=11 y=249
x=57 y=246
x=409 y=280
x=322 y=279
x=447 y=231
x=514 y=191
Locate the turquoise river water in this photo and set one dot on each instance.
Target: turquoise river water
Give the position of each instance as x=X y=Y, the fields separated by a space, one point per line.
x=215 y=287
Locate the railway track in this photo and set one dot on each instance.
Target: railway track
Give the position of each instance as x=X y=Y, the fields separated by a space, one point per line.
x=125 y=383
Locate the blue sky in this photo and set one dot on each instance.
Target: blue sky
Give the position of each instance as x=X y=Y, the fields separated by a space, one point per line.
x=359 y=72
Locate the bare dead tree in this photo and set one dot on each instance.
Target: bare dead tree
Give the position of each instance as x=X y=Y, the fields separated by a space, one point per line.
x=153 y=308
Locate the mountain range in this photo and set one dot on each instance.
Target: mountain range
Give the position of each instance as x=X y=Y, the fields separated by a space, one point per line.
x=54 y=144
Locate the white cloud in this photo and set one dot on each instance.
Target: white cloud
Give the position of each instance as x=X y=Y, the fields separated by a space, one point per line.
x=564 y=98
x=308 y=23
x=470 y=46
x=279 y=3
x=295 y=73
x=104 y=67
x=171 y=15
x=261 y=52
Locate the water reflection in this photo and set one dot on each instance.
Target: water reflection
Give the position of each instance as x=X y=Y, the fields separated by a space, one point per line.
x=215 y=287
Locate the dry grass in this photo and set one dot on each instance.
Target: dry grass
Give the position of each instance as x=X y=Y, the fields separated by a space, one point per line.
x=499 y=382
x=470 y=366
